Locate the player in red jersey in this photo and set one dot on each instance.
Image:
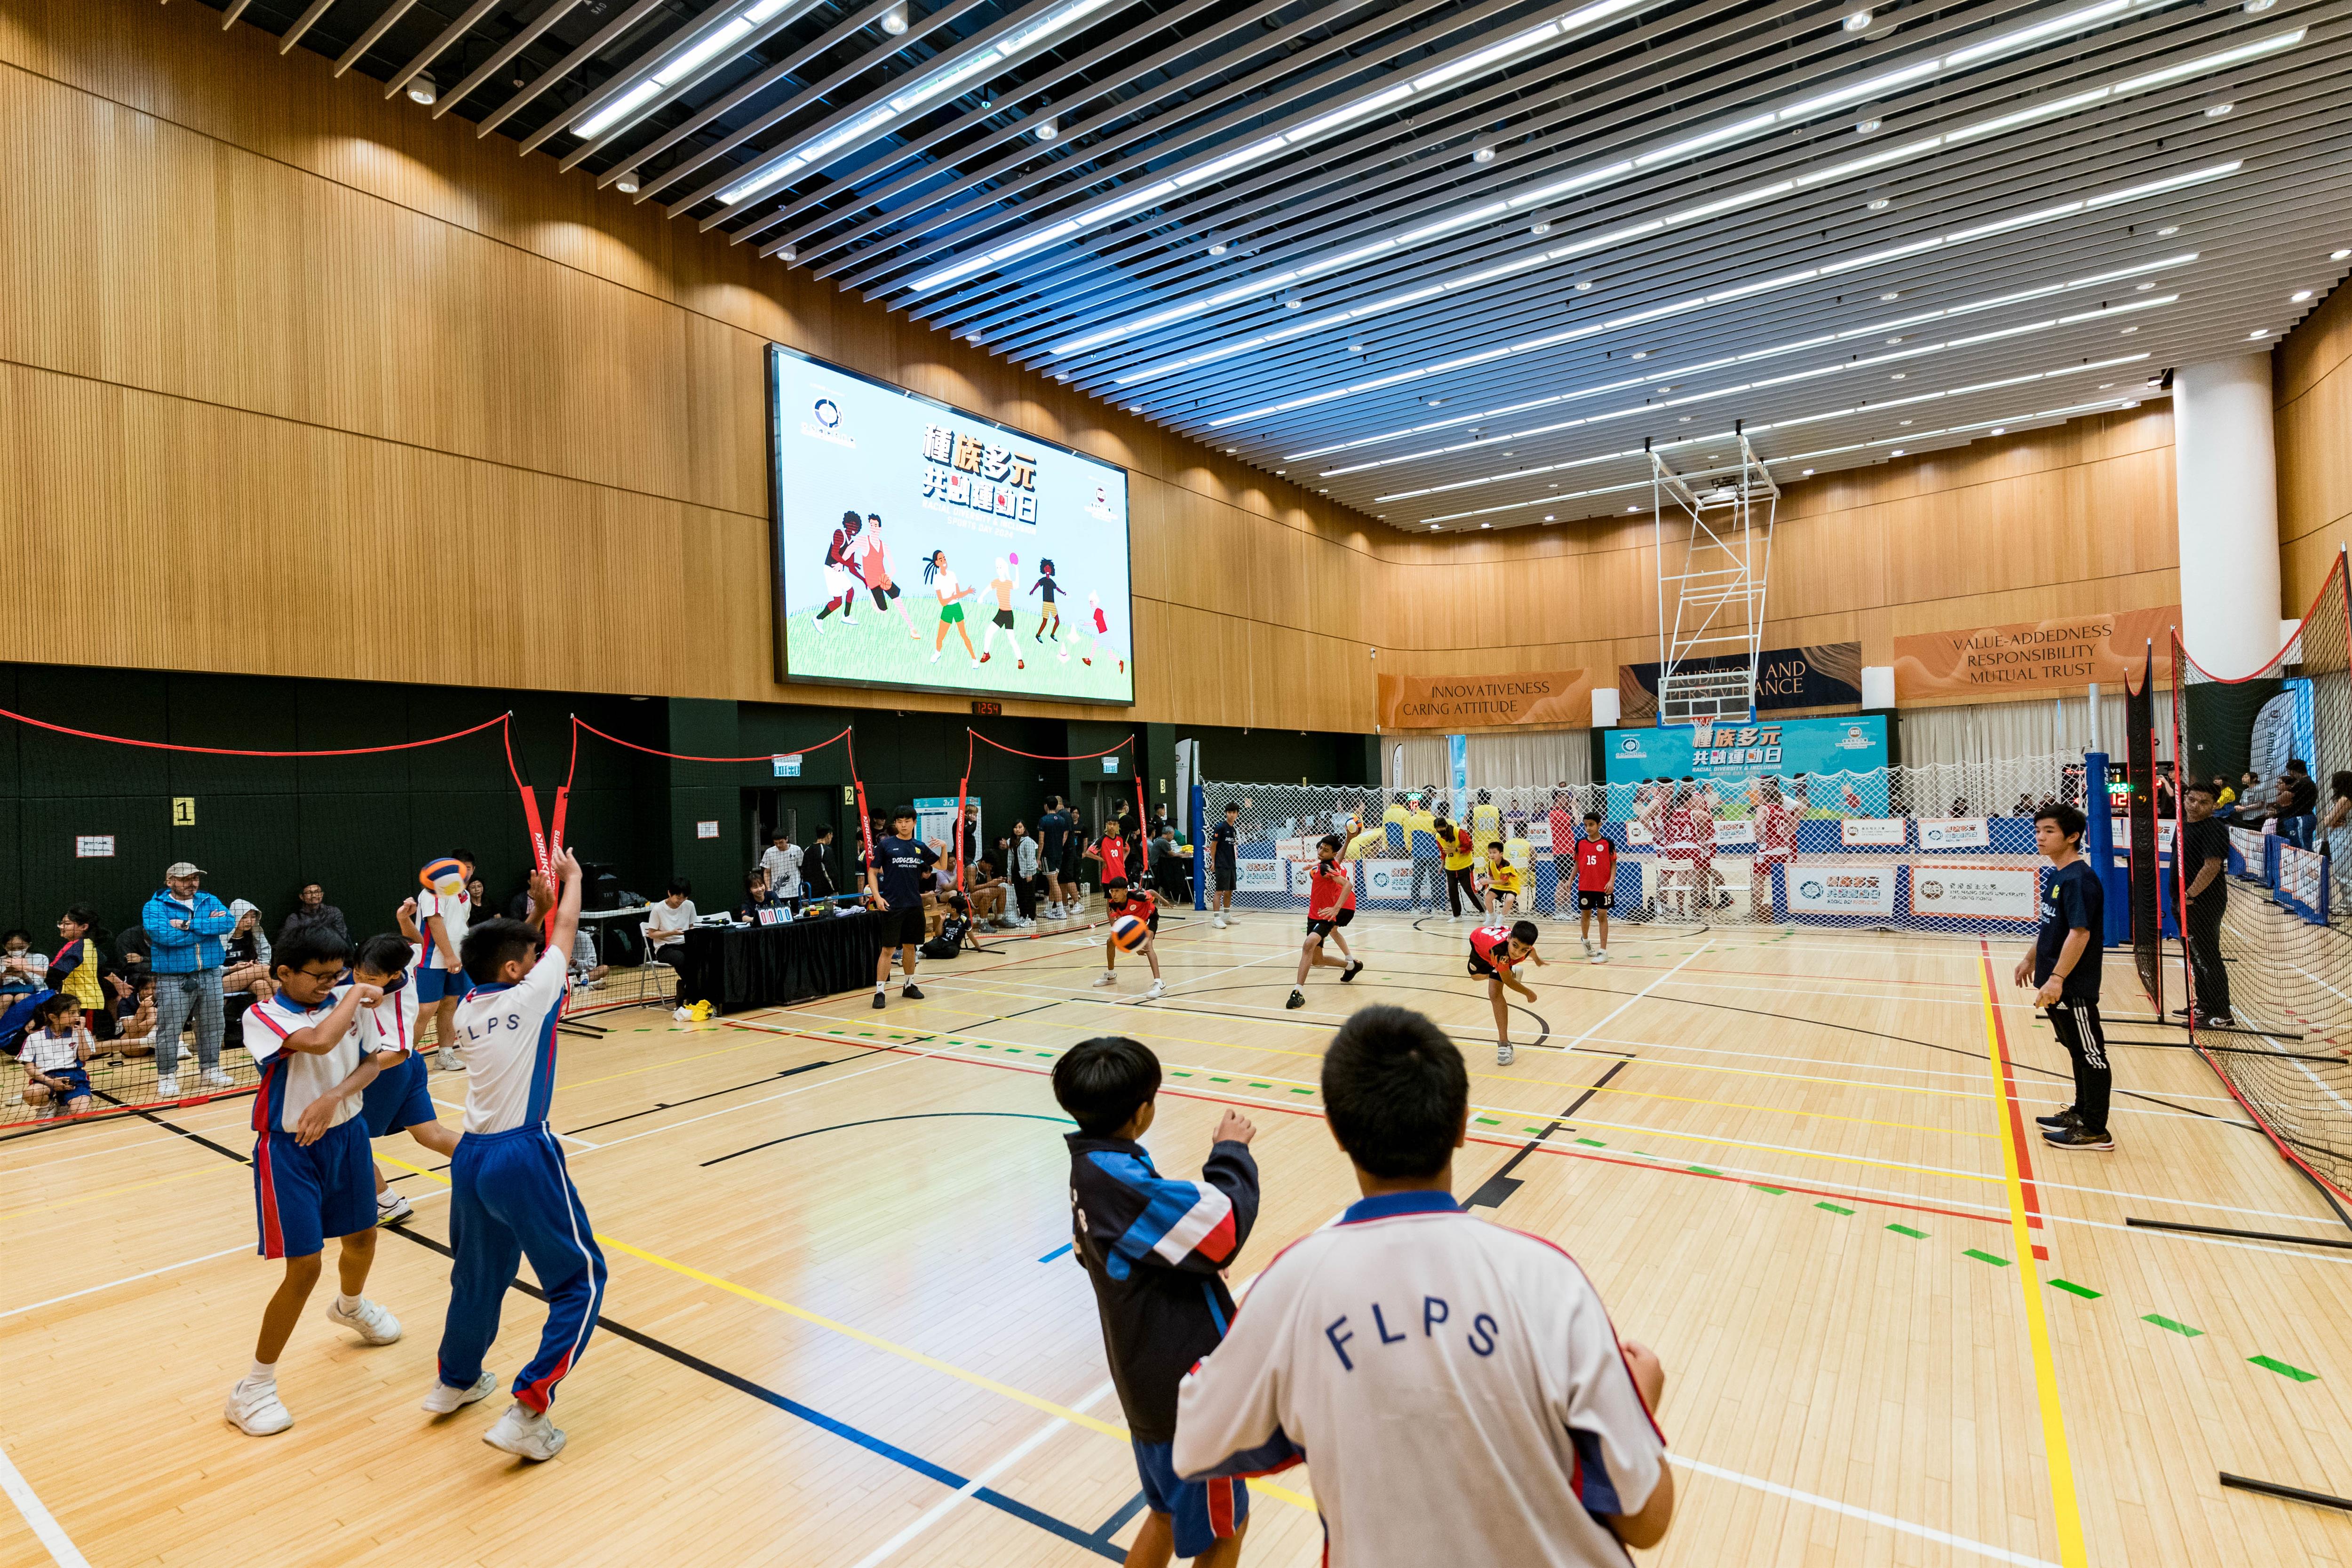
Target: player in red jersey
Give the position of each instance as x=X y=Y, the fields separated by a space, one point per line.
x=1596 y=885
x=1496 y=951
x=1708 y=889
x=1143 y=905
x=1775 y=845
x=1675 y=859
x=1330 y=904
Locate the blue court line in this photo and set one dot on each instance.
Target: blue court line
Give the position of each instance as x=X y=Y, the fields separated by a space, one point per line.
x=1057 y=1252
x=1118 y=1521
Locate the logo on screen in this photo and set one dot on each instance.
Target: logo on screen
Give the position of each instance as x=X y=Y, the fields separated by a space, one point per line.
x=1810 y=888
x=828 y=413
x=825 y=422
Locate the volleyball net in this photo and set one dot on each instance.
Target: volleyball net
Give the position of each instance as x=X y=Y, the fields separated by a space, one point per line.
x=1942 y=850
x=162 y=987
x=2267 y=965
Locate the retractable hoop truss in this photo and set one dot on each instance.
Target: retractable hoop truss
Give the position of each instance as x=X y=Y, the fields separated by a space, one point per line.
x=1726 y=561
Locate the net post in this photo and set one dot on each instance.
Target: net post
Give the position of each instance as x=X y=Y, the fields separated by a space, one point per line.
x=865 y=823
x=963 y=793
x=1197 y=812
x=1142 y=824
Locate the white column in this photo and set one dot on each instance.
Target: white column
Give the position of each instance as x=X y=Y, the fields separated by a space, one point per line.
x=2227 y=475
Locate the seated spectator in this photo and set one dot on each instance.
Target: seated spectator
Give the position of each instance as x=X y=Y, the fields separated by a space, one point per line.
x=1960 y=806
x=21 y=968
x=2025 y=806
x=585 y=971
x=666 y=925
x=244 y=955
x=2298 y=806
x=987 y=897
x=55 y=1055
x=2224 y=797
x=757 y=896
x=134 y=1013
x=312 y=909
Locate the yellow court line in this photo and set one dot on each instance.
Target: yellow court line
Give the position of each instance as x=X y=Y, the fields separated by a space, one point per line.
x=2061 y=1461
x=1076 y=1418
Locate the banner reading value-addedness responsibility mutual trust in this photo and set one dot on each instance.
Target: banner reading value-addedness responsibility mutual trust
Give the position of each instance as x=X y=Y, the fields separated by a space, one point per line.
x=2029 y=657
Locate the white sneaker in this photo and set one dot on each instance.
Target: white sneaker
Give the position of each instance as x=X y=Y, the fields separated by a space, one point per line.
x=1602 y=956
x=374 y=1325
x=526 y=1431
x=1218 y=920
x=255 y=1409
x=1107 y=977
x=1588 y=945
x=167 y=1089
x=446 y=1059
x=444 y=1399
x=391 y=1213
x=1158 y=988
x=217 y=1078
x=1503 y=1055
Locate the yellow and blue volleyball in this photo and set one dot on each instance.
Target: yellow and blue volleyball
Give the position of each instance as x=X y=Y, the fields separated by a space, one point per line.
x=1127 y=933
x=444 y=876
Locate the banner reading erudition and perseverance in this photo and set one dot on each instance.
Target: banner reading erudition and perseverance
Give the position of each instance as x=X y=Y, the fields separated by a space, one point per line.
x=1557 y=696
x=2027 y=659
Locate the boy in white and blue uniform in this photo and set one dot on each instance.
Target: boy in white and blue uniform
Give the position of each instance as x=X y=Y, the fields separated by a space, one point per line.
x=512 y=1197
x=401 y=1094
x=311 y=1175
x=1458 y=1384
x=442 y=919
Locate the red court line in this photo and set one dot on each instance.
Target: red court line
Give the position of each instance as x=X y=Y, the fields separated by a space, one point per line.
x=2016 y=1112
x=1662 y=1169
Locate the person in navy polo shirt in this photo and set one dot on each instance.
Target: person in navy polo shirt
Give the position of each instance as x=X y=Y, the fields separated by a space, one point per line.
x=1458 y=1384
x=894 y=883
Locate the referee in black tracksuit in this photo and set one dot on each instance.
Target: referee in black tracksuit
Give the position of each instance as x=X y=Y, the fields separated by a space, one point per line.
x=2202 y=866
x=2063 y=967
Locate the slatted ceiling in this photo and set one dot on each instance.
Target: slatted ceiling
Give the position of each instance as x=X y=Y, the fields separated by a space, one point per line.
x=1143 y=89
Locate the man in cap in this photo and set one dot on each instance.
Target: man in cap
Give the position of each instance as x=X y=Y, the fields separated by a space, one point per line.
x=184 y=925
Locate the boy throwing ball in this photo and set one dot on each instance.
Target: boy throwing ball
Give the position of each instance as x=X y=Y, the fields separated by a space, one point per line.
x=1496 y=951
x=1155 y=1251
x=1330 y=904
x=1138 y=905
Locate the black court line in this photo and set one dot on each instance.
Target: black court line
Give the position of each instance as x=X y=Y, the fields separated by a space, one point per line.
x=197 y=1137
x=1543 y=1024
x=1496 y=1188
x=815 y=1417
x=741 y=1384
x=877 y=1120
x=714 y=1094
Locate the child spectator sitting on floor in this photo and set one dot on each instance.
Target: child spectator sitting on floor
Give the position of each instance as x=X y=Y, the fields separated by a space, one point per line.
x=55 y=1053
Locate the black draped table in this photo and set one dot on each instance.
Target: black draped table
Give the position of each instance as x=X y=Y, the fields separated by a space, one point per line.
x=736 y=967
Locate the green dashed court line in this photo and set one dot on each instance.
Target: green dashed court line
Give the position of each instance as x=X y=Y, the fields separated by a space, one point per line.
x=1537 y=1131
x=1254 y=1084
x=2280 y=1367
x=1595 y=1143
x=1776 y=1192
x=1180 y=1075
x=1703 y=1170
x=1308 y=1091
x=1906 y=1230
x=1220 y=1080
x=2161 y=1321
x=1483 y=1120
x=1986 y=1257
x=2072 y=1288
x=1833 y=1208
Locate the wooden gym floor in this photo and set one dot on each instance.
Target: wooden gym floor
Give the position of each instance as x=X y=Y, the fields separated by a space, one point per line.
x=843 y=1329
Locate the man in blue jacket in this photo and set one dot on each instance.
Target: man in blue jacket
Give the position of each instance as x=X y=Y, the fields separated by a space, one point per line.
x=184 y=925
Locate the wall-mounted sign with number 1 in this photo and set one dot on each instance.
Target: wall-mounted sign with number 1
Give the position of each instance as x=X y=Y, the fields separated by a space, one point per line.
x=184 y=811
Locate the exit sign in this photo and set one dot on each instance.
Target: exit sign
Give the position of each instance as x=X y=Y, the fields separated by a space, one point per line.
x=987 y=709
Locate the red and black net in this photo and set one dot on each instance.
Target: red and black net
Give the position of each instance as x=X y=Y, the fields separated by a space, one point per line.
x=2268 y=965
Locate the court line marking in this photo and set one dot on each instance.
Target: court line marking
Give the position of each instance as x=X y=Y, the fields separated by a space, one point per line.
x=1924 y=1533
x=62 y=1550
x=905 y=1352
x=2057 y=1458
x=948 y=1504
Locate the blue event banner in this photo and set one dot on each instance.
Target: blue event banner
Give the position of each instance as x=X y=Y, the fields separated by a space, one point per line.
x=1843 y=761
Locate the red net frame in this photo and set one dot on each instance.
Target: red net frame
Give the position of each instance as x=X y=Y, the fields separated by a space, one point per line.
x=845 y=736
x=122 y=1083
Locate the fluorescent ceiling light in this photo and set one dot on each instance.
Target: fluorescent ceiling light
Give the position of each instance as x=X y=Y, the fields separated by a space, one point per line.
x=1585 y=179
x=678 y=67
x=2071 y=22
x=1552 y=340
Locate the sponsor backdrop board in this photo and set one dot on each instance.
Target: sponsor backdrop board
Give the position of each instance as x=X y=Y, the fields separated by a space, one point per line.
x=2028 y=657
x=1727 y=755
x=1954 y=833
x=1479 y=701
x=1826 y=675
x=1971 y=894
x=998 y=502
x=1840 y=890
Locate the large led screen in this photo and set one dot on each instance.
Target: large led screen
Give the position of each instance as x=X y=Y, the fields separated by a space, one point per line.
x=919 y=546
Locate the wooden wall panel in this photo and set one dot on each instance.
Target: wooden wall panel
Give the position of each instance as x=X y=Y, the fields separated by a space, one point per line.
x=2312 y=425
x=308 y=364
